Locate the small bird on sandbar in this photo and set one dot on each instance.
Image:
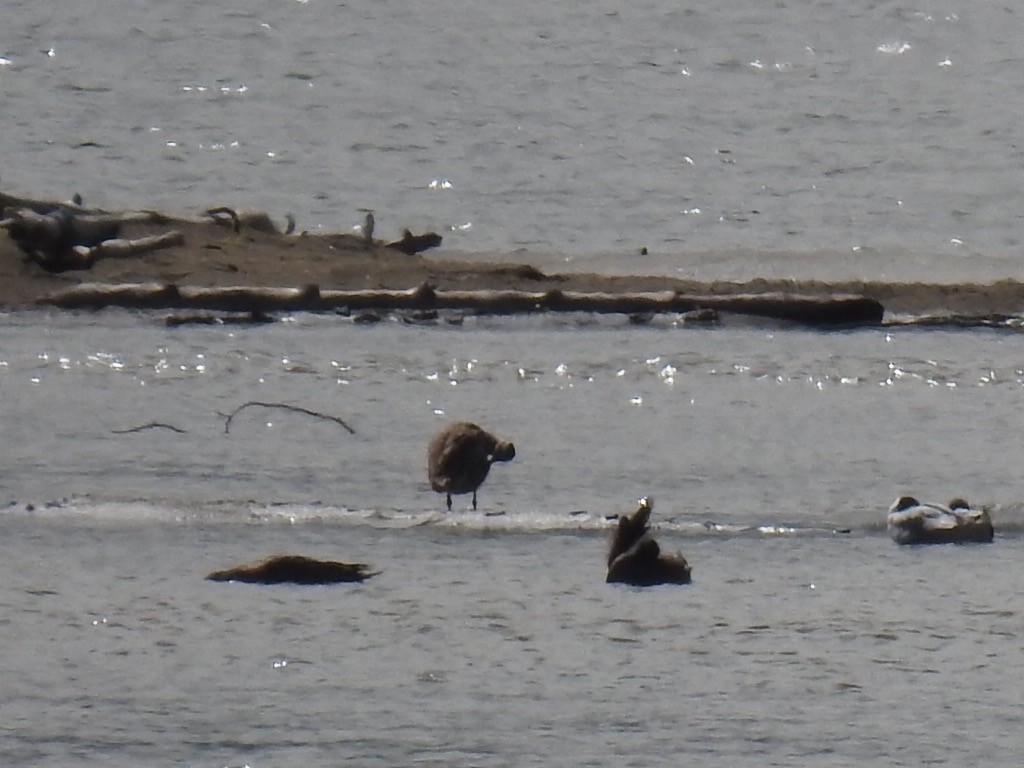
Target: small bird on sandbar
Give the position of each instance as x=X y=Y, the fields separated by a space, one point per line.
x=460 y=456
x=368 y=224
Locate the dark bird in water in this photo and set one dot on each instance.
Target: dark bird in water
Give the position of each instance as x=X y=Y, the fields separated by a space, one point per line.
x=460 y=456
x=294 y=569
x=410 y=243
x=635 y=558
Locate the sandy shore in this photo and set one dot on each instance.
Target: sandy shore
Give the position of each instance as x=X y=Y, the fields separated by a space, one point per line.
x=214 y=255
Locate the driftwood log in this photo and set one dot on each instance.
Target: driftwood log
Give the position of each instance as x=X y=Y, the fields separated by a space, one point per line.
x=822 y=311
x=50 y=239
x=65 y=239
x=9 y=202
x=411 y=244
x=258 y=221
x=294 y=569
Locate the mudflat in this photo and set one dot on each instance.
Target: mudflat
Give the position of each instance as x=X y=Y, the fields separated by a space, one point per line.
x=212 y=253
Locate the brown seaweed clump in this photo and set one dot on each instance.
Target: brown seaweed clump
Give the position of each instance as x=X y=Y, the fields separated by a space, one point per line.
x=635 y=558
x=294 y=569
x=460 y=456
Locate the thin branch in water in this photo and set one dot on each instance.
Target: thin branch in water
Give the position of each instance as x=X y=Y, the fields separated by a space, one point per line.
x=286 y=407
x=151 y=425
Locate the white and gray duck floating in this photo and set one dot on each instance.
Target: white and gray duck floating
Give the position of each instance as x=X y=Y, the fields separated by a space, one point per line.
x=913 y=522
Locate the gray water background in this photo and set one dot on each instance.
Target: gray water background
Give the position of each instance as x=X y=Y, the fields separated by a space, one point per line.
x=734 y=140
x=810 y=130
x=489 y=637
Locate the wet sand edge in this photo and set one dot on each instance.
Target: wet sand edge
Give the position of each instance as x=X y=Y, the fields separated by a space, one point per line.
x=212 y=255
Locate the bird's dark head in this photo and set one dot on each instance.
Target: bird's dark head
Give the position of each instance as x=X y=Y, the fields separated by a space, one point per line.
x=503 y=451
x=902 y=503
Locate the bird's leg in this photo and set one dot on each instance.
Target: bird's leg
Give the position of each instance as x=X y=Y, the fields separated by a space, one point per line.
x=474 y=501
x=449 y=502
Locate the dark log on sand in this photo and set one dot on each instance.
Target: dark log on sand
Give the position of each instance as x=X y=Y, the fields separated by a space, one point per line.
x=9 y=203
x=410 y=243
x=65 y=239
x=50 y=239
x=294 y=569
x=827 y=311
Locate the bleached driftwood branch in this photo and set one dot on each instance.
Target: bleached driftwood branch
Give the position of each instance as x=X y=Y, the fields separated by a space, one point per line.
x=826 y=311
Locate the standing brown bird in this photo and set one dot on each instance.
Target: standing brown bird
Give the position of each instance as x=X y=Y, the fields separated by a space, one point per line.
x=460 y=456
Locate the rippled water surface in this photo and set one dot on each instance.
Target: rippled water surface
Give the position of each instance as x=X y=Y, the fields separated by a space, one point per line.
x=503 y=650
x=790 y=127
x=734 y=140
x=743 y=421
x=489 y=637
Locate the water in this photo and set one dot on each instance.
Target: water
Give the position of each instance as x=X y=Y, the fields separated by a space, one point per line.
x=507 y=651
x=745 y=421
x=734 y=141
x=793 y=127
x=489 y=637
